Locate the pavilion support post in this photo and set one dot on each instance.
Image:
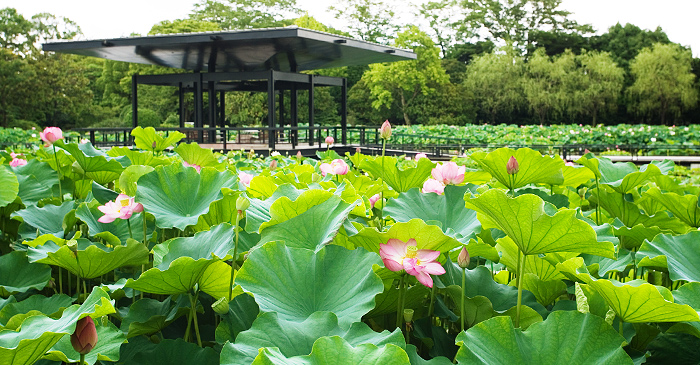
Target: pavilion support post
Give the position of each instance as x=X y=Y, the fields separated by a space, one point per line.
x=212 y=111
x=281 y=111
x=222 y=114
x=181 y=101
x=271 y=110
x=294 y=115
x=134 y=100
x=199 y=108
x=344 y=111
x=311 y=110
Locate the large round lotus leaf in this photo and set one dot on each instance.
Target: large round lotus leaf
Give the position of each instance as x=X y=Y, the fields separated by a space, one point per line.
x=93 y=259
x=141 y=351
x=566 y=337
x=399 y=180
x=636 y=303
x=575 y=176
x=220 y=211
x=109 y=341
x=242 y=311
x=148 y=139
x=687 y=294
x=18 y=275
x=259 y=210
x=297 y=282
x=177 y=196
x=35 y=179
x=47 y=305
x=138 y=157
x=179 y=277
x=89 y=213
x=195 y=155
x=215 y=243
x=147 y=316
x=95 y=164
x=10 y=186
x=337 y=351
x=685 y=207
x=129 y=177
x=525 y=221
x=39 y=333
x=624 y=176
x=681 y=253
x=534 y=167
x=428 y=237
x=46 y=220
x=447 y=210
x=297 y=338
x=534 y=264
x=310 y=221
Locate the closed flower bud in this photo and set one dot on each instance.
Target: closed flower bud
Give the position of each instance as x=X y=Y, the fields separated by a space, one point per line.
x=385 y=130
x=408 y=315
x=153 y=145
x=242 y=203
x=220 y=306
x=84 y=339
x=512 y=166
x=299 y=155
x=463 y=258
x=273 y=165
x=329 y=140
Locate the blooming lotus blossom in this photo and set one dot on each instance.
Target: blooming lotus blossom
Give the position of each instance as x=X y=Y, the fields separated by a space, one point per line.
x=245 y=178
x=385 y=130
x=85 y=140
x=433 y=186
x=51 y=135
x=275 y=153
x=337 y=167
x=13 y=155
x=449 y=173
x=84 y=338
x=373 y=200
x=420 y=155
x=330 y=140
x=325 y=169
x=512 y=167
x=398 y=256
x=18 y=162
x=196 y=167
x=123 y=207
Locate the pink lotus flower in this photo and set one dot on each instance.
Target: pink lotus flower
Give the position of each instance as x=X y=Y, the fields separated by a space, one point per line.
x=449 y=173
x=273 y=165
x=433 y=186
x=385 y=130
x=463 y=258
x=123 y=207
x=398 y=256
x=373 y=200
x=325 y=169
x=245 y=178
x=337 y=167
x=512 y=167
x=196 y=167
x=18 y=162
x=13 y=155
x=51 y=135
x=299 y=155
x=330 y=140
x=420 y=155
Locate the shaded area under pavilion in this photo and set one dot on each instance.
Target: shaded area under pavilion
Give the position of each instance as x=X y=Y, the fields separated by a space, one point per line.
x=260 y=60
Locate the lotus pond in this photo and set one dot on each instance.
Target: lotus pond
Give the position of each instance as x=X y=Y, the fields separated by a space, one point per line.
x=183 y=256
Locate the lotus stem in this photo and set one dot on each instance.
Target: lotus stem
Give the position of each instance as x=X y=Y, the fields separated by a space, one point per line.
x=461 y=306
x=58 y=171
x=597 y=204
x=381 y=207
x=431 y=308
x=82 y=359
x=620 y=328
x=402 y=291
x=519 y=282
x=145 y=230
x=60 y=280
x=233 y=260
x=128 y=224
x=193 y=313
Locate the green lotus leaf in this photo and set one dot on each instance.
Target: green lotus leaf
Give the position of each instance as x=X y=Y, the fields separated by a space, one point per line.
x=386 y=301
x=636 y=303
x=179 y=277
x=576 y=176
x=242 y=311
x=297 y=282
x=148 y=316
x=89 y=214
x=35 y=179
x=195 y=155
x=262 y=187
x=95 y=164
x=534 y=168
x=138 y=157
x=259 y=210
x=546 y=292
x=65 y=161
x=297 y=338
x=216 y=279
x=415 y=359
x=623 y=176
x=110 y=339
x=687 y=294
x=220 y=211
x=589 y=301
x=524 y=220
x=566 y=337
x=45 y=220
x=18 y=275
x=216 y=243
x=684 y=207
x=399 y=180
x=601 y=265
x=10 y=186
x=50 y=306
x=557 y=200
x=39 y=333
x=428 y=237
x=310 y=221
x=364 y=185
x=337 y=351
x=141 y=351
x=534 y=264
x=455 y=219
x=93 y=259
x=177 y=196
x=144 y=139
x=129 y=177
x=632 y=238
x=681 y=253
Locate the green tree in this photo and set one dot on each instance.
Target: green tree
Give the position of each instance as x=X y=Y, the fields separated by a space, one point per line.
x=16 y=32
x=245 y=14
x=600 y=85
x=625 y=42
x=494 y=81
x=445 y=26
x=368 y=20
x=663 y=82
x=183 y=26
x=14 y=72
x=400 y=82
x=544 y=84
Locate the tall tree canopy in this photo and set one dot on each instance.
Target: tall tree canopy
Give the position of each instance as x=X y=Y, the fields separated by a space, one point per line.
x=246 y=14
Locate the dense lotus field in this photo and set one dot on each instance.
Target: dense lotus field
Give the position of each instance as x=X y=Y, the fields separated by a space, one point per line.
x=156 y=255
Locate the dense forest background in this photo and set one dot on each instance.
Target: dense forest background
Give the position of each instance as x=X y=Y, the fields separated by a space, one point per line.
x=479 y=61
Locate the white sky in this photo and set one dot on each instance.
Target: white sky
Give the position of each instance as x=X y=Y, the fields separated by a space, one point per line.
x=117 y=18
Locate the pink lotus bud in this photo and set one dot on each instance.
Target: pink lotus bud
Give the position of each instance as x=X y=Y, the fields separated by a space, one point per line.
x=358 y=150
x=420 y=155
x=373 y=200
x=245 y=178
x=51 y=134
x=512 y=166
x=273 y=165
x=463 y=258
x=299 y=155
x=329 y=140
x=13 y=155
x=153 y=145
x=84 y=339
x=385 y=130
x=433 y=186
x=18 y=162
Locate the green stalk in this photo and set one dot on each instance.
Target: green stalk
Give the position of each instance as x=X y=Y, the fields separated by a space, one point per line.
x=233 y=261
x=60 y=280
x=402 y=291
x=58 y=171
x=432 y=302
x=461 y=306
x=519 y=282
x=381 y=208
x=621 y=332
x=145 y=233
x=82 y=359
x=597 y=205
x=193 y=312
x=128 y=224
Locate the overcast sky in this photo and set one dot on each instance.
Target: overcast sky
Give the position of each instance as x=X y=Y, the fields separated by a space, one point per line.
x=112 y=19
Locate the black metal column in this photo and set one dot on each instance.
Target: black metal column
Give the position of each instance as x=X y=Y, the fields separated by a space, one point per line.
x=271 y=110
x=222 y=115
x=181 y=101
x=199 y=108
x=134 y=100
x=212 y=111
x=281 y=121
x=311 y=110
x=344 y=111
x=294 y=115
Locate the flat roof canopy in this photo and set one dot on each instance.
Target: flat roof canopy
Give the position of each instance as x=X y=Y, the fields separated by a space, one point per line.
x=290 y=49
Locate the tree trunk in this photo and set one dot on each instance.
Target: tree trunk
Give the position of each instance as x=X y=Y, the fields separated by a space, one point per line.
x=403 y=110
